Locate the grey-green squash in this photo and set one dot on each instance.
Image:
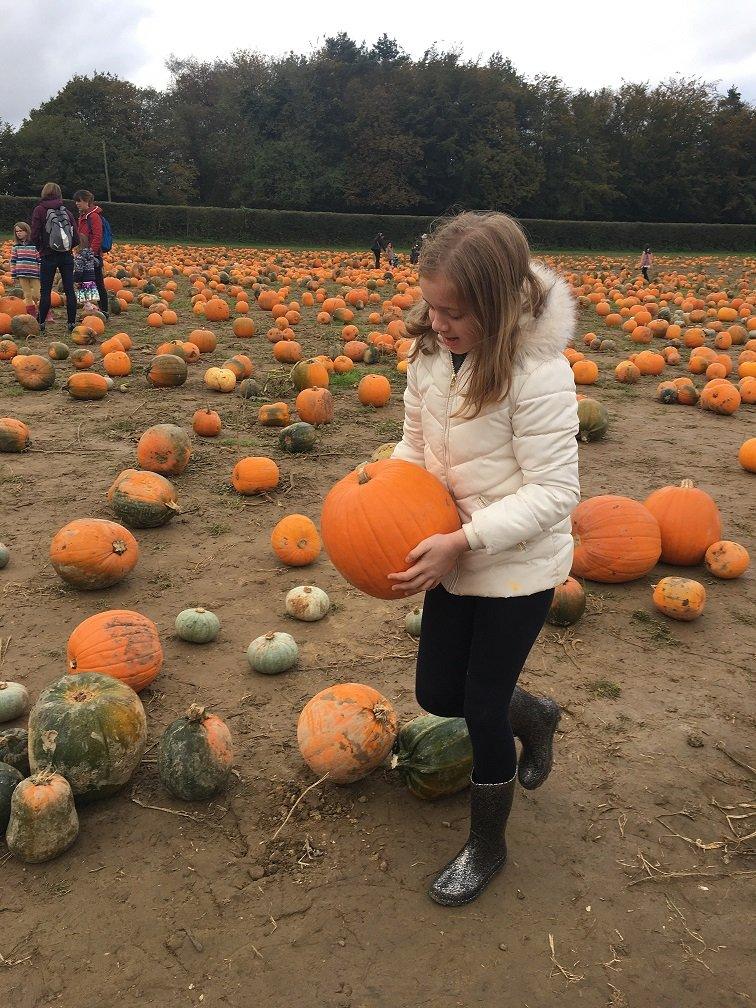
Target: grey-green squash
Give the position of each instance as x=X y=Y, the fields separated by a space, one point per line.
x=43 y=820
x=413 y=621
x=90 y=728
x=433 y=756
x=14 y=749
x=198 y=626
x=308 y=603
x=272 y=653
x=593 y=419
x=14 y=700
x=196 y=755
x=297 y=437
x=4 y=556
x=9 y=778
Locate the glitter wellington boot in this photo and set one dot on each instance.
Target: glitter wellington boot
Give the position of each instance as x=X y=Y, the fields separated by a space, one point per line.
x=534 y=721
x=467 y=875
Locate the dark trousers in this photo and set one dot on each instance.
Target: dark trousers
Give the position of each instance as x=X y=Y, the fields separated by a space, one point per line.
x=48 y=264
x=644 y=271
x=101 y=286
x=377 y=258
x=472 y=651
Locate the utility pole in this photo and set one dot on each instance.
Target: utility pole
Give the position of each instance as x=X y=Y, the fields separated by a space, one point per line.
x=107 y=176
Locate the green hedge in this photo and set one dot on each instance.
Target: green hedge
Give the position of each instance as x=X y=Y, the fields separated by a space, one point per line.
x=293 y=227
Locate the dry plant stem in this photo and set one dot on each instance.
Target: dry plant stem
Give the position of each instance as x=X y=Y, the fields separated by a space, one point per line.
x=744 y=766
x=295 y=805
x=569 y=977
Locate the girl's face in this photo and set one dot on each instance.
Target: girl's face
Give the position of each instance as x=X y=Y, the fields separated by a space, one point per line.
x=448 y=318
x=20 y=233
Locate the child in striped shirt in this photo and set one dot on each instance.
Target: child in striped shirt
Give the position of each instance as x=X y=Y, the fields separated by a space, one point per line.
x=25 y=266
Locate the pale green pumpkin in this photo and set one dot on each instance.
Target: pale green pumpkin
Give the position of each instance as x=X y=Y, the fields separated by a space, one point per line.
x=198 y=626
x=4 y=556
x=272 y=653
x=308 y=603
x=413 y=620
x=9 y=779
x=14 y=700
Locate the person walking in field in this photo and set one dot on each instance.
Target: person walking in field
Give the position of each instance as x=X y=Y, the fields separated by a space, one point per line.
x=490 y=410
x=645 y=262
x=54 y=234
x=378 y=246
x=24 y=265
x=90 y=225
x=391 y=255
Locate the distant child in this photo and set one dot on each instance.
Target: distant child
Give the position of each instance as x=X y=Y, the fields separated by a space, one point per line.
x=25 y=266
x=415 y=254
x=84 y=274
x=645 y=262
x=391 y=255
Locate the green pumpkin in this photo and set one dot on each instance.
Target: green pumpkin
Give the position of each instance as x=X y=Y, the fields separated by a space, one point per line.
x=114 y=306
x=43 y=820
x=593 y=419
x=196 y=755
x=14 y=749
x=371 y=355
x=9 y=778
x=568 y=604
x=91 y=729
x=140 y=510
x=433 y=756
x=4 y=556
x=272 y=653
x=413 y=620
x=14 y=700
x=198 y=626
x=248 y=388
x=308 y=603
x=297 y=437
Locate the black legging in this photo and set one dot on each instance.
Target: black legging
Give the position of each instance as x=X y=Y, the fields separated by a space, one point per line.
x=471 y=653
x=644 y=271
x=377 y=258
x=99 y=280
x=48 y=264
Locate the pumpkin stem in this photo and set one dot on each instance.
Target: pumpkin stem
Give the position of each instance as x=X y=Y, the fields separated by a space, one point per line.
x=43 y=776
x=382 y=714
x=119 y=546
x=687 y=484
x=3 y=685
x=196 y=713
x=363 y=477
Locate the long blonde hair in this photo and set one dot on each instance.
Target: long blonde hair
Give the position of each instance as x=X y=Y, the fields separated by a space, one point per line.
x=486 y=258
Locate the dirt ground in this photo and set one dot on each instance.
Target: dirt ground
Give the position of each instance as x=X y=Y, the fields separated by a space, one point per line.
x=627 y=883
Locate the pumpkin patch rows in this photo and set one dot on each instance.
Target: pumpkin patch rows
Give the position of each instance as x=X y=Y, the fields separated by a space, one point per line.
x=174 y=513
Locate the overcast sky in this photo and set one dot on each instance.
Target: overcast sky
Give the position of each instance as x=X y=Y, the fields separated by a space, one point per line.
x=586 y=43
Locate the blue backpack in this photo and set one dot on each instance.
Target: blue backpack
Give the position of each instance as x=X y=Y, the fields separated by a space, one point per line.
x=107 y=235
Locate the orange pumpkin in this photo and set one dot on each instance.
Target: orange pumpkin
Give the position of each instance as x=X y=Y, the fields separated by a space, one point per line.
x=627 y=372
x=309 y=374
x=346 y=731
x=33 y=372
x=374 y=390
x=315 y=406
x=726 y=559
x=255 y=474
x=93 y=553
x=14 y=435
x=374 y=516
x=165 y=449
x=243 y=327
x=274 y=414
x=87 y=385
x=167 y=371
x=689 y=522
x=747 y=455
x=117 y=363
x=8 y=349
x=204 y=339
x=680 y=598
x=616 y=539
x=118 y=643
x=720 y=396
x=296 y=541
x=206 y=422
x=585 y=372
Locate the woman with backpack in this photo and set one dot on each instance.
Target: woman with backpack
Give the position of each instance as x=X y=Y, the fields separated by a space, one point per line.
x=91 y=224
x=54 y=232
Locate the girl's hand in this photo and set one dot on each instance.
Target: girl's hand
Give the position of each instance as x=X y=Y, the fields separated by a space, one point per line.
x=430 y=561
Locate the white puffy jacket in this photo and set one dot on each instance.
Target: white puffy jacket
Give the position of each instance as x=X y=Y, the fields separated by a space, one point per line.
x=513 y=469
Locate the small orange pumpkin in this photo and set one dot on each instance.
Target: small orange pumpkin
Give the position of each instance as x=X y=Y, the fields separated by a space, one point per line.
x=93 y=553
x=374 y=390
x=14 y=435
x=296 y=541
x=165 y=449
x=206 y=422
x=680 y=598
x=726 y=559
x=274 y=414
x=315 y=406
x=255 y=474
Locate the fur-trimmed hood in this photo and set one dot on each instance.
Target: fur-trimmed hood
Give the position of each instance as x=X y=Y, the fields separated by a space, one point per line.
x=548 y=335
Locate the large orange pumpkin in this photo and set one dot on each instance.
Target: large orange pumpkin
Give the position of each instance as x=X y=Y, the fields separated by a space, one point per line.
x=346 y=731
x=616 y=539
x=255 y=474
x=14 y=435
x=93 y=553
x=747 y=455
x=33 y=372
x=315 y=406
x=689 y=522
x=118 y=643
x=164 y=448
x=373 y=517
x=167 y=371
x=87 y=385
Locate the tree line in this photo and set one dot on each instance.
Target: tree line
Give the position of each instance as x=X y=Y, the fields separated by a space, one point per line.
x=354 y=128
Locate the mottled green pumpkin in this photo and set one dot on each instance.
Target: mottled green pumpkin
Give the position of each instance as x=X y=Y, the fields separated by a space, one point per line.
x=196 y=755
x=90 y=728
x=568 y=604
x=143 y=499
x=9 y=778
x=43 y=820
x=248 y=388
x=593 y=419
x=297 y=437
x=14 y=749
x=433 y=756
x=14 y=700
x=4 y=556
x=198 y=626
x=272 y=653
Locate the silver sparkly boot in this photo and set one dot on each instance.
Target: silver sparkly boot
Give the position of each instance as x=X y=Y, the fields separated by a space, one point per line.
x=466 y=876
x=534 y=721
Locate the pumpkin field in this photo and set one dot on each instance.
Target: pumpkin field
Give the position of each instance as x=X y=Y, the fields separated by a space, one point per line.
x=212 y=790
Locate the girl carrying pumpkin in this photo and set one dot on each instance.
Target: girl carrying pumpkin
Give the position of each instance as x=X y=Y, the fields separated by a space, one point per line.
x=490 y=410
